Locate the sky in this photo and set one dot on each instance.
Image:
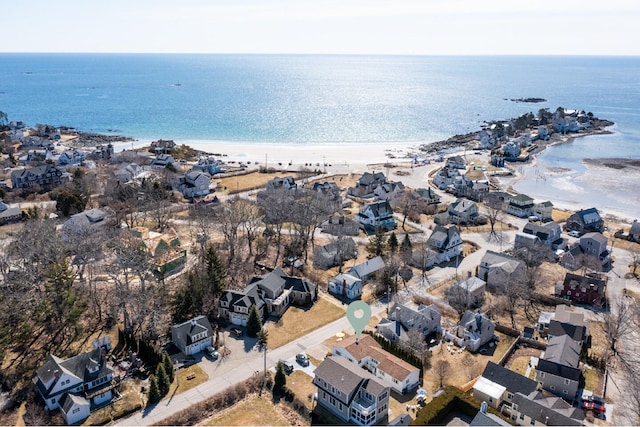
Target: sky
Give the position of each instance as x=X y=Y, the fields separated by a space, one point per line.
x=401 y=27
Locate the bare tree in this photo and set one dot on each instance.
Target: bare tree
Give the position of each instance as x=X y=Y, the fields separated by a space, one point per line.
x=635 y=263
x=409 y=204
x=470 y=366
x=277 y=205
x=441 y=370
x=588 y=263
x=229 y=220
x=494 y=214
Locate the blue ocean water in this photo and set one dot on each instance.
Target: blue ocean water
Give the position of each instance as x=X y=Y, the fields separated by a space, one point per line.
x=313 y=98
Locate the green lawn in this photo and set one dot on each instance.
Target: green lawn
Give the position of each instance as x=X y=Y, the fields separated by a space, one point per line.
x=256 y=411
x=298 y=322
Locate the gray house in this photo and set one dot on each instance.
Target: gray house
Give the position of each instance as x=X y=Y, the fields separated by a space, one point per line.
x=499 y=384
x=497 y=269
x=558 y=370
x=335 y=253
x=351 y=393
x=402 y=319
x=192 y=336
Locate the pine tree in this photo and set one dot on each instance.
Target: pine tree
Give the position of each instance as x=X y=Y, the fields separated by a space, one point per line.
x=154 y=391
x=393 y=243
x=168 y=366
x=254 y=322
x=377 y=243
x=405 y=249
x=280 y=380
x=163 y=379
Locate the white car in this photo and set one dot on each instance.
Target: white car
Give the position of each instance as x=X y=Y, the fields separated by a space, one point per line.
x=574 y=233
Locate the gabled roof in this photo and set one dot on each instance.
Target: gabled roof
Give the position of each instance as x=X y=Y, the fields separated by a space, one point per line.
x=484 y=419
x=502 y=260
x=538 y=410
x=346 y=377
x=471 y=284
x=523 y=198
x=191 y=327
x=558 y=370
x=512 y=381
x=588 y=216
x=69 y=400
x=635 y=227
x=78 y=366
x=380 y=208
x=441 y=236
x=461 y=205
x=346 y=278
x=366 y=268
x=598 y=237
x=561 y=329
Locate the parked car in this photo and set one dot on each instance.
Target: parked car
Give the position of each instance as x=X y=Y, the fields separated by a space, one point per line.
x=211 y=352
x=574 y=233
x=302 y=359
x=288 y=366
x=236 y=332
x=596 y=407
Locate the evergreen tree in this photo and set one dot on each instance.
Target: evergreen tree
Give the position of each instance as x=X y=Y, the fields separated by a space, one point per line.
x=154 y=391
x=263 y=337
x=377 y=243
x=406 y=249
x=254 y=322
x=163 y=379
x=393 y=243
x=168 y=366
x=280 y=380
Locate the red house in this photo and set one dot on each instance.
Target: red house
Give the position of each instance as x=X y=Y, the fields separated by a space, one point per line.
x=582 y=290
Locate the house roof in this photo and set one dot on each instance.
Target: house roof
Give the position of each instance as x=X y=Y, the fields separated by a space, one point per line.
x=69 y=400
x=561 y=329
x=558 y=370
x=541 y=231
x=523 y=198
x=489 y=388
x=484 y=419
x=472 y=317
x=347 y=278
x=462 y=205
x=441 y=236
x=380 y=208
x=78 y=366
x=197 y=325
x=367 y=178
x=588 y=216
x=598 y=237
x=471 y=284
x=582 y=281
x=510 y=380
x=539 y=410
x=366 y=268
x=502 y=260
x=409 y=316
x=345 y=376
x=368 y=346
x=563 y=350
x=635 y=228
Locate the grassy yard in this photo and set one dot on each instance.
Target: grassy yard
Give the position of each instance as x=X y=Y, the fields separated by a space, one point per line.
x=520 y=364
x=182 y=384
x=592 y=380
x=255 y=411
x=298 y=322
x=248 y=181
x=130 y=402
x=301 y=384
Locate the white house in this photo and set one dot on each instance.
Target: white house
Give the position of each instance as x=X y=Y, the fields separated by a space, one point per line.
x=71 y=157
x=376 y=214
x=194 y=184
x=472 y=331
x=445 y=242
x=86 y=376
x=346 y=285
x=366 y=353
x=192 y=336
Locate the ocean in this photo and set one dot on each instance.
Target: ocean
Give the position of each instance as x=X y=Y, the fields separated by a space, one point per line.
x=313 y=99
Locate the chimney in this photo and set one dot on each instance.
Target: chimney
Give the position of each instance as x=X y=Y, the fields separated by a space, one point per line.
x=483 y=407
x=56 y=374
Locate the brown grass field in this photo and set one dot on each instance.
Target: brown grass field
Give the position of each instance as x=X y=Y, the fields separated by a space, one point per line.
x=249 y=181
x=253 y=411
x=297 y=322
x=301 y=384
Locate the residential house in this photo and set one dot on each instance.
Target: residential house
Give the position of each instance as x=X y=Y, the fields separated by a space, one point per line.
x=194 y=184
x=339 y=225
x=446 y=244
x=163 y=146
x=592 y=245
x=511 y=149
x=209 y=165
x=335 y=253
x=456 y=162
x=543 y=210
x=365 y=269
x=71 y=157
x=519 y=205
x=352 y=394
x=162 y=160
x=577 y=332
x=329 y=189
x=366 y=353
x=428 y=195
x=366 y=184
x=582 y=290
x=376 y=214
x=462 y=211
x=584 y=221
x=470 y=291
x=127 y=172
x=286 y=182
x=192 y=336
x=483 y=418
x=401 y=319
x=271 y=293
x=104 y=152
x=538 y=409
x=35 y=156
x=563 y=314
x=389 y=190
x=445 y=177
x=9 y=214
x=83 y=223
x=235 y=305
x=498 y=385
x=87 y=377
x=474 y=189
x=167 y=254
x=498 y=269
x=558 y=369
x=634 y=231
x=47 y=176
x=345 y=285
x=472 y=331
x=550 y=233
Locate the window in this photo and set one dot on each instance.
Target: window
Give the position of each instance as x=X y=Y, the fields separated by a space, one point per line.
x=75 y=410
x=541 y=374
x=522 y=416
x=513 y=417
x=552 y=387
x=533 y=422
x=515 y=406
x=383 y=396
x=566 y=381
x=490 y=399
x=509 y=396
x=340 y=406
